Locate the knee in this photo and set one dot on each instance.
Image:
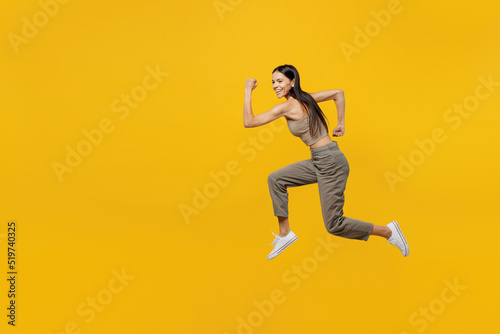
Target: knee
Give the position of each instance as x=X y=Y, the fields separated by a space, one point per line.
x=336 y=226
x=272 y=179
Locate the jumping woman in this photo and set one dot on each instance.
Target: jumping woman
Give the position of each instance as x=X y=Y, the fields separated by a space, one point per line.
x=328 y=166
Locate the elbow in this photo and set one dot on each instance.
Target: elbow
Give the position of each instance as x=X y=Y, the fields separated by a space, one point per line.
x=248 y=123
x=339 y=95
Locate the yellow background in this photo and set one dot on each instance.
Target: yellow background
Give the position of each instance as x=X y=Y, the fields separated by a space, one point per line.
x=120 y=208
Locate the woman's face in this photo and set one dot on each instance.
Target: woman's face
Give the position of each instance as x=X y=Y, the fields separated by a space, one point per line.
x=281 y=84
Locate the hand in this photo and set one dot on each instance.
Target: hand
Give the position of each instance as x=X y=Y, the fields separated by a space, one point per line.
x=250 y=84
x=338 y=131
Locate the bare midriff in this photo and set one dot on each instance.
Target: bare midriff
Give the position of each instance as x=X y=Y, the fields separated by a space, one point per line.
x=323 y=141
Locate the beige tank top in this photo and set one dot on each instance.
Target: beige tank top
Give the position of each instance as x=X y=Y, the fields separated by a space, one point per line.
x=300 y=128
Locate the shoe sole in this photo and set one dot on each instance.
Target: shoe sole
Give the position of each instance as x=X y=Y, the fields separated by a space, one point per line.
x=278 y=252
x=402 y=237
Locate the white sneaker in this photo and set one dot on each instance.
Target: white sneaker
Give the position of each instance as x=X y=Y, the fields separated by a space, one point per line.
x=397 y=238
x=280 y=243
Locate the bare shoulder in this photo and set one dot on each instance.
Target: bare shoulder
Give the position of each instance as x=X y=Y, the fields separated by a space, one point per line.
x=326 y=95
x=294 y=109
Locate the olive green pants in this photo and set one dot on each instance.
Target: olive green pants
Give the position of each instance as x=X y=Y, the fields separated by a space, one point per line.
x=329 y=168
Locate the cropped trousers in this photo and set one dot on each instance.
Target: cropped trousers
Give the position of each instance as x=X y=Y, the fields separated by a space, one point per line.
x=329 y=168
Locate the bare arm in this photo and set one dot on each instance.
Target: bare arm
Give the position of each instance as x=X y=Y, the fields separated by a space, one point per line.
x=337 y=95
x=249 y=119
x=340 y=103
x=326 y=95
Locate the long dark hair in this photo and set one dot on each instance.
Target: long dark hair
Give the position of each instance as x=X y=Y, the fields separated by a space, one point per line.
x=306 y=100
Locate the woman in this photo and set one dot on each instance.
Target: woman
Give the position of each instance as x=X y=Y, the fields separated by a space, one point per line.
x=328 y=166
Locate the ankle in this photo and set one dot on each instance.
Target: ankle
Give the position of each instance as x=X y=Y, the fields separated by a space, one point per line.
x=284 y=233
x=389 y=232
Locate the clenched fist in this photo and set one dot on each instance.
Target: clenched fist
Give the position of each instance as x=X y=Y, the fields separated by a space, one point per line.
x=338 y=131
x=251 y=84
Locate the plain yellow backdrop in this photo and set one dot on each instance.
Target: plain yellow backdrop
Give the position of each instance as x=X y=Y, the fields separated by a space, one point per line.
x=162 y=222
